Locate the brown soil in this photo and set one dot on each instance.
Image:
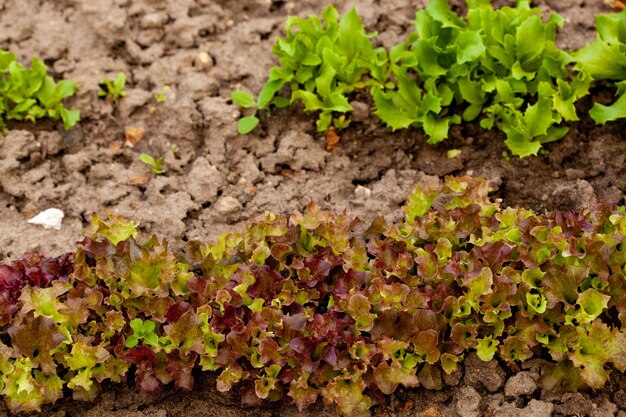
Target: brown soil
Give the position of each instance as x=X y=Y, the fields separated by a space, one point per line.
x=216 y=180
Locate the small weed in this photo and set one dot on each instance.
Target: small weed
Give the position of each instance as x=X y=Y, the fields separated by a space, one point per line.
x=161 y=97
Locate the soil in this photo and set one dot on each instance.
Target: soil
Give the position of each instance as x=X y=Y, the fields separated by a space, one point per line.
x=216 y=179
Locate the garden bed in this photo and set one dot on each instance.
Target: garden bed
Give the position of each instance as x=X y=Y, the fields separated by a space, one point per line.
x=216 y=179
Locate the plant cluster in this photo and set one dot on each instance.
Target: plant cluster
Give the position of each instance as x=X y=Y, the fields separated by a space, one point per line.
x=500 y=66
x=604 y=60
x=31 y=94
x=321 y=62
x=316 y=306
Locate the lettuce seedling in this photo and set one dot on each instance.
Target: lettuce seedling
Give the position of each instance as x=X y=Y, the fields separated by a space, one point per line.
x=604 y=60
x=245 y=100
x=155 y=164
x=502 y=64
x=322 y=62
x=114 y=89
x=31 y=94
x=161 y=96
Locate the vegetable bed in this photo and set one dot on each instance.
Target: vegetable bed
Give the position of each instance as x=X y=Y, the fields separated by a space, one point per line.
x=162 y=147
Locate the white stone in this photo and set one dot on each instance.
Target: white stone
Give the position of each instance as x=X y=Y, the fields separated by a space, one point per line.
x=49 y=219
x=362 y=192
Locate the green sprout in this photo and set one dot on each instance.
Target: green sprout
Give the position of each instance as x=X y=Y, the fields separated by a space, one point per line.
x=161 y=97
x=113 y=89
x=156 y=164
x=247 y=101
x=143 y=330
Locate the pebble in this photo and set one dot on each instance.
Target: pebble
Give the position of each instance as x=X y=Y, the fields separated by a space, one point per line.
x=228 y=205
x=362 y=192
x=49 y=219
x=153 y=20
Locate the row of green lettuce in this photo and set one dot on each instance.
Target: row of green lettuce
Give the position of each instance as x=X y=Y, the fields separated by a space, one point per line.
x=29 y=94
x=318 y=306
x=499 y=66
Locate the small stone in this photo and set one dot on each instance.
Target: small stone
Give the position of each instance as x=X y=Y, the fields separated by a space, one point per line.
x=203 y=60
x=362 y=192
x=153 y=20
x=228 y=205
x=49 y=219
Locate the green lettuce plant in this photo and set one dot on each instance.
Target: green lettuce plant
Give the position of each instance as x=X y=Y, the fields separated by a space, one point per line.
x=316 y=307
x=31 y=94
x=604 y=59
x=322 y=62
x=500 y=65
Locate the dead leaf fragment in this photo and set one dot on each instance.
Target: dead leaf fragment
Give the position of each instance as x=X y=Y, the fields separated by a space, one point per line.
x=287 y=173
x=251 y=190
x=407 y=406
x=138 y=180
x=332 y=139
x=619 y=5
x=431 y=412
x=116 y=147
x=134 y=135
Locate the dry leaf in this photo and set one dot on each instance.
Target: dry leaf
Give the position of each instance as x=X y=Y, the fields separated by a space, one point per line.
x=332 y=139
x=431 y=412
x=138 y=180
x=288 y=173
x=619 y=5
x=116 y=147
x=134 y=135
x=407 y=406
x=251 y=190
